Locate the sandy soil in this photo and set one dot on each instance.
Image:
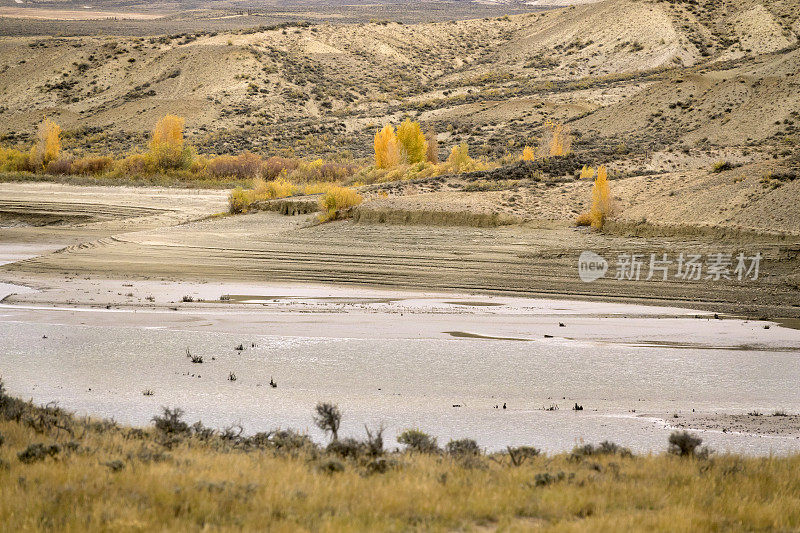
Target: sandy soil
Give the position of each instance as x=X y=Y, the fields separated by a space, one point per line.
x=766 y=423
x=67 y=14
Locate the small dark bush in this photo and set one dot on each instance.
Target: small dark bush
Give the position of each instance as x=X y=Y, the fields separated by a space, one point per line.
x=418 y=441
x=683 y=443
x=115 y=466
x=38 y=452
x=347 y=447
x=2 y=440
x=171 y=422
x=331 y=466
x=290 y=440
x=462 y=448
x=546 y=478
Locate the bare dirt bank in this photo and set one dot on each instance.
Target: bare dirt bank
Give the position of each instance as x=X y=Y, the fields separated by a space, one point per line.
x=155 y=237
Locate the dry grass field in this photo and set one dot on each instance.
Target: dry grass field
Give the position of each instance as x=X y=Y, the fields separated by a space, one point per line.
x=61 y=473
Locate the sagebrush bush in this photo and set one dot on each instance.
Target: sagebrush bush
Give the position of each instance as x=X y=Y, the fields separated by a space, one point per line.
x=338 y=199
x=462 y=447
x=683 y=443
x=416 y=440
x=171 y=422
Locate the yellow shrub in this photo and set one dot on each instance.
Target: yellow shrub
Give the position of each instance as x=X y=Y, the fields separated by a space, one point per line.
x=387 y=150
x=12 y=160
x=238 y=201
x=460 y=161
x=268 y=190
x=318 y=187
x=528 y=154
x=336 y=200
x=557 y=141
x=587 y=173
x=48 y=144
x=412 y=142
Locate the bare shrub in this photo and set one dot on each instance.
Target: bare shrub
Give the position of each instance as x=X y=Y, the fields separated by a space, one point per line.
x=242 y=166
x=327 y=417
x=59 y=167
x=374 y=442
x=91 y=165
x=519 y=454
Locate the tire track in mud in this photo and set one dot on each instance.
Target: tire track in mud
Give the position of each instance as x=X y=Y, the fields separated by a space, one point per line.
x=489 y=267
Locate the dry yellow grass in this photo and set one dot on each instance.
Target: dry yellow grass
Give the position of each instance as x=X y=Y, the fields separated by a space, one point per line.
x=109 y=478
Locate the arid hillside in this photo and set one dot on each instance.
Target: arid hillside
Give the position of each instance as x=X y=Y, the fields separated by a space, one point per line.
x=488 y=82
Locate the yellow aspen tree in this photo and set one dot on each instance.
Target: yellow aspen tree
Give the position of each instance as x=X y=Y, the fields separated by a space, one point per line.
x=601 y=200
x=587 y=172
x=412 y=141
x=168 y=131
x=387 y=151
x=48 y=143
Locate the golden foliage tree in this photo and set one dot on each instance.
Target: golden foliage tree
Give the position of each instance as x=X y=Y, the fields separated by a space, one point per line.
x=167 y=150
x=528 y=154
x=587 y=172
x=387 y=150
x=412 y=142
x=601 y=199
x=48 y=144
x=169 y=131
